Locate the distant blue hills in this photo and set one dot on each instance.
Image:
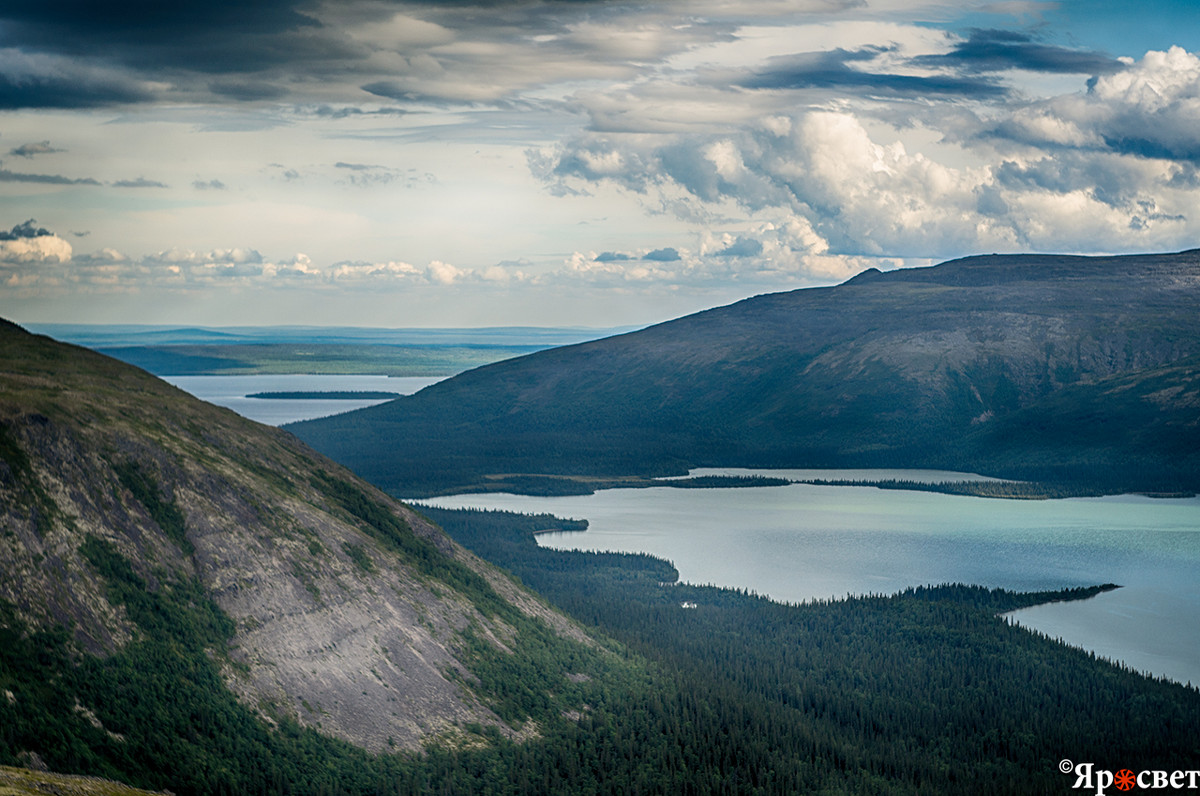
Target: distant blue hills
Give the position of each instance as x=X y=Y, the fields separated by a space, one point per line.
x=243 y=350
x=126 y=335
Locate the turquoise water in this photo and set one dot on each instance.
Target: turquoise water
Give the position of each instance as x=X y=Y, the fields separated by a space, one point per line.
x=800 y=542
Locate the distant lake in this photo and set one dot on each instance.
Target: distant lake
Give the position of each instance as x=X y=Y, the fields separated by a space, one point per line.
x=799 y=542
x=231 y=392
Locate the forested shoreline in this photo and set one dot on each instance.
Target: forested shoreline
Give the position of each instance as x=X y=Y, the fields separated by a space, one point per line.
x=925 y=692
x=931 y=690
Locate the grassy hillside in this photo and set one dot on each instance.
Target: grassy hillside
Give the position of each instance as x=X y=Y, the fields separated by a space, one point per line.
x=1035 y=367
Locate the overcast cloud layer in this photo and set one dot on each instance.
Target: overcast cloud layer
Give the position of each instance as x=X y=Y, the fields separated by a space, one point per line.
x=477 y=163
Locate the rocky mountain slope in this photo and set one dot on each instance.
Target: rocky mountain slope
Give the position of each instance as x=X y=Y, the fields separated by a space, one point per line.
x=1082 y=369
x=132 y=513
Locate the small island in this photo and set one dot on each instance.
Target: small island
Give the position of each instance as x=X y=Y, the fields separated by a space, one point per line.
x=331 y=395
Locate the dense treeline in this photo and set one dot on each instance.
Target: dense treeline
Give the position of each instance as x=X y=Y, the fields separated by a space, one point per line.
x=721 y=481
x=926 y=692
x=326 y=395
x=163 y=511
x=994 y=489
x=930 y=689
x=558 y=486
x=1016 y=490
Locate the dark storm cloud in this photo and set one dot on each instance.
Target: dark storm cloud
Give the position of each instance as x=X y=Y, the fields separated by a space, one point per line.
x=149 y=31
x=28 y=229
x=832 y=70
x=254 y=47
x=22 y=88
x=1000 y=50
x=81 y=54
x=51 y=52
x=44 y=179
x=264 y=50
x=150 y=19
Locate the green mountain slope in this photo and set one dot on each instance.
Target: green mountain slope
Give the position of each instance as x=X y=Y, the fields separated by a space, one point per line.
x=975 y=364
x=164 y=532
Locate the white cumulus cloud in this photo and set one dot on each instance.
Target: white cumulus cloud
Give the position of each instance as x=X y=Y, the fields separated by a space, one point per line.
x=1150 y=109
x=41 y=249
x=1110 y=167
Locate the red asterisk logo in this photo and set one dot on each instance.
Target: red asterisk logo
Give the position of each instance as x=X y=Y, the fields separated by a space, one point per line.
x=1124 y=779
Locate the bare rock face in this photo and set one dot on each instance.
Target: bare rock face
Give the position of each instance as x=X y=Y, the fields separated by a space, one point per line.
x=337 y=626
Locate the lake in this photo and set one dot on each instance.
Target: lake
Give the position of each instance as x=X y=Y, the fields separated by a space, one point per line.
x=800 y=542
x=231 y=392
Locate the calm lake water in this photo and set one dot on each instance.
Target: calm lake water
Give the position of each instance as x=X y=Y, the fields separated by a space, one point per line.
x=800 y=542
x=231 y=392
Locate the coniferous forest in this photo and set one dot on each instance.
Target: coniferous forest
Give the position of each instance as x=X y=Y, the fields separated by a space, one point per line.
x=928 y=691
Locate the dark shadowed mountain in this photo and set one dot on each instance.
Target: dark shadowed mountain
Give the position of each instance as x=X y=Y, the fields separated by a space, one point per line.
x=1080 y=370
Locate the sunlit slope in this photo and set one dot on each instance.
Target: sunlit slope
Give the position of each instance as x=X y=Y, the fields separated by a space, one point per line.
x=984 y=363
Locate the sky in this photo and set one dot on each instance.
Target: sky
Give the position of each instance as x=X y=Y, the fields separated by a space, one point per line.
x=574 y=163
